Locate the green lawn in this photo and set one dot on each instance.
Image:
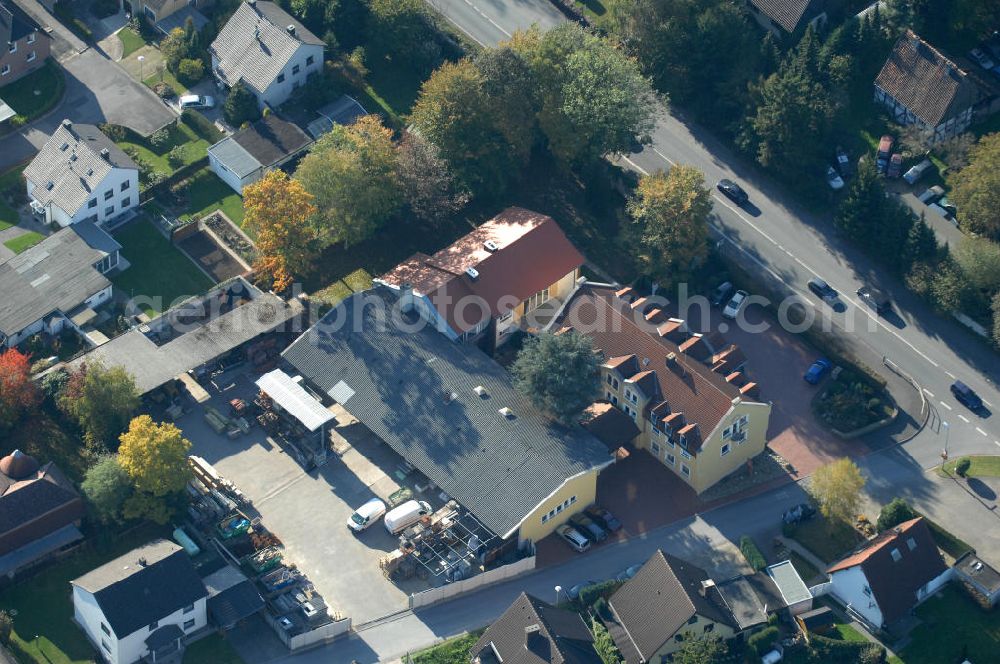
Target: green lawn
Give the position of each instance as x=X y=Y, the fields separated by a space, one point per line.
x=9 y=180
x=24 y=242
x=453 y=651
x=195 y=148
x=805 y=568
x=131 y=41
x=214 y=649
x=954 y=628
x=165 y=76
x=160 y=274
x=44 y=631
x=208 y=193
x=947 y=542
x=47 y=82
x=982 y=466
x=843 y=632
x=827 y=543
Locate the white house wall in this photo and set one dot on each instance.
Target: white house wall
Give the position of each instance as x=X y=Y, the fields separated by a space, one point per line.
x=88 y=616
x=277 y=93
x=226 y=175
x=849 y=587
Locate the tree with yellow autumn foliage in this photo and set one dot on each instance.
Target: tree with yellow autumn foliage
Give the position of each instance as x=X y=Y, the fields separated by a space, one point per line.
x=278 y=211
x=155 y=458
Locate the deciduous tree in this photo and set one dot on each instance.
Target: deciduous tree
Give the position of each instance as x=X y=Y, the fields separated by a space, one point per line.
x=430 y=189
x=559 y=373
x=604 y=644
x=403 y=28
x=701 y=649
x=107 y=486
x=995 y=309
x=976 y=189
x=979 y=259
x=18 y=393
x=241 y=106
x=278 y=210
x=671 y=214
x=101 y=400
x=837 y=489
x=351 y=174
x=894 y=513
x=155 y=458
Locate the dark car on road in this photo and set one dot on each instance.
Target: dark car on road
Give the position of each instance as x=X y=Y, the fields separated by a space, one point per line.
x=604 y=518
x=875 y=299
x=966 y=396
x=801 y=512
x=721 y=293
x=733 y=191
x=588 y=528
x=822 y=290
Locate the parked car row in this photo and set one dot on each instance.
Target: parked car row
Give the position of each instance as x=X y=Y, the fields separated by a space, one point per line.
x=588 y=527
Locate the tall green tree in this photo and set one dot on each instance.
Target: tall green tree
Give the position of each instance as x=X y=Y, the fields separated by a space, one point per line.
x=428 y=185
x=921 y=243
x=351 y=174
x=511 y=92
x=107 y=486
x=671 y=212
x=979 y=259
x=403 y=29
x=241 y=106
x=995 y=311
x=976 y=189
x=559 y=373
x=594 y=99
x=454 y=112
x=101 y=400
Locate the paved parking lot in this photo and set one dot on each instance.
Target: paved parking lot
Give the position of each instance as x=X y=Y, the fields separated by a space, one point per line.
x=308 y=511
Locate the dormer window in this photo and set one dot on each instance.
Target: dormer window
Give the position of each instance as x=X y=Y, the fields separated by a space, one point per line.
x=896 y=555
x=31 y=38
x=911 y=543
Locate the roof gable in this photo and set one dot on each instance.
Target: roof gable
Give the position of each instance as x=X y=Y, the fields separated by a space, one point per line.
x=927 y=83
x=789 y=13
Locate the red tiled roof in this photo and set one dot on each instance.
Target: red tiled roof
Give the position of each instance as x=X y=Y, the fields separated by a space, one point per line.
x=533 y=253
x=691 y=388
x=894 y=583
x=923 y=80
x=609 y=425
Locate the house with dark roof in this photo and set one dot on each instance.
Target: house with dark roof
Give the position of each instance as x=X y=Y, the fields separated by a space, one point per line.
x=81 y=175
x=688 y=394
x=24 y=46
x=535 y=632
x=40 y=512
x=885 y=579
x=57 y=284
x=247 y=155
x=452 y=413
x=232 y=597
x=510 y=272
x=670 y=601
x=145 y=604
x=921 y=86
x=792 y=17
x=266 y=48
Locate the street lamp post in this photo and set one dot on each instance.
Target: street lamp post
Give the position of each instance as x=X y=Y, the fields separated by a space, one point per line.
x=142 y=58
x=558 y=590
x=947 y=436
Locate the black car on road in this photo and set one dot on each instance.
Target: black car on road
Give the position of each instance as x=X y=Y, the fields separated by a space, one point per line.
x=966 y=396
x=733 y=191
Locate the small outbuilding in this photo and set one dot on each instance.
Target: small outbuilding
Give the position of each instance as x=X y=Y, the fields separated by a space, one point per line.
x=251 y=152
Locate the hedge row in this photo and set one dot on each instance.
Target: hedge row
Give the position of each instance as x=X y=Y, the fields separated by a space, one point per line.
x=201 y=125
x=752 y=553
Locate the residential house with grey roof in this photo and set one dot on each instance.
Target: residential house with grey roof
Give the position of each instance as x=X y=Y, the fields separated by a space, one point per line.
x=451 y=412
x=56 y=284
x=534 y=632
x=247 y=155
x=267 y=49
x=921 y=86
x=670 y=601
x=145 y=604
x=792 y=17
x=81 y=175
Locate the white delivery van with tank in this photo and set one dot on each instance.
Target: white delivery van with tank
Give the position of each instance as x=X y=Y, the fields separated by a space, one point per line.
x=404 y=516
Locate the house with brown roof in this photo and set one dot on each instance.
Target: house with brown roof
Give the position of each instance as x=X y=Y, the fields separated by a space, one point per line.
x=670 y=601
x=791 y=17
x=507 y=273
x=535 y=632
x=920 y=86
x=40 y=512
x=687 y=393
x=24 y=46
x=884 y=580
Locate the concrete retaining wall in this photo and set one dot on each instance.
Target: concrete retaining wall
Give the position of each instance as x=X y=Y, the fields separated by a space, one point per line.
x=497 y=575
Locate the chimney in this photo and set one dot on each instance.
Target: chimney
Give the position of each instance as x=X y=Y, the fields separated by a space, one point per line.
x=256 y=32
x=536 y=643
x=406 y=297
x=705 y=585
x=106 y=153
x=291 y=29
x=142 y=562
x=472 y=273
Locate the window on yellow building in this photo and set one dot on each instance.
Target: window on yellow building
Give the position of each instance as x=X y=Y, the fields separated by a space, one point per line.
x=725 y=449
x=685 y=471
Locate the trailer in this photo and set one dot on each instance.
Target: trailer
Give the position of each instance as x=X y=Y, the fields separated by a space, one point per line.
x=280 y=579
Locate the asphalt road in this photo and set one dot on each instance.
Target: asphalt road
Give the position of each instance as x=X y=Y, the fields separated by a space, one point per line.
x=793 y=245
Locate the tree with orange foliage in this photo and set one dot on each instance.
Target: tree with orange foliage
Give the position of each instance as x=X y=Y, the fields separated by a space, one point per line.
x=18 y=393
x=277 y=210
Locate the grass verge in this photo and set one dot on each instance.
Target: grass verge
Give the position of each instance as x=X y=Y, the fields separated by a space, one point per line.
x=829 y=541
x=165 y=76
x=954 y=628
x=982 y=466
x=160 y=274
x=215 y=649
x=208 y=193
x=805 y=568
x=24 y=242
x=947 y=542
x=451 y=651
x=180 y=134
x=132 y=41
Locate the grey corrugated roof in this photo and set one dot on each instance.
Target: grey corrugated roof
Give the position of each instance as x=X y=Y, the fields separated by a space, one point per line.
x=57 y=274
x=791 y=586
x=153 y=365
x=235 y=157
x=255 y=44
x=231 y=597
x=144 y=585
x=69 y=169
x=415 y=391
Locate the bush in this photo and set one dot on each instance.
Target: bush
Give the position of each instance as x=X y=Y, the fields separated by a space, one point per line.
x=115 y=132
x=893 y=514
x=190 y=71
x=164 y=90
x=241 y=106
x=761 y=642
x=590 y=594
x=159 y=138
x=201 y=125
x=176 y=156
x=962 y=466
x=752 y=553
x=604 y=644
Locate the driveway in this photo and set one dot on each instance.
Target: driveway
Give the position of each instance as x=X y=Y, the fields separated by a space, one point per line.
x=307 y=511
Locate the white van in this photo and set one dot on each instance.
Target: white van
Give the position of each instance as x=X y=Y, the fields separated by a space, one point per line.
x=404 y=516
